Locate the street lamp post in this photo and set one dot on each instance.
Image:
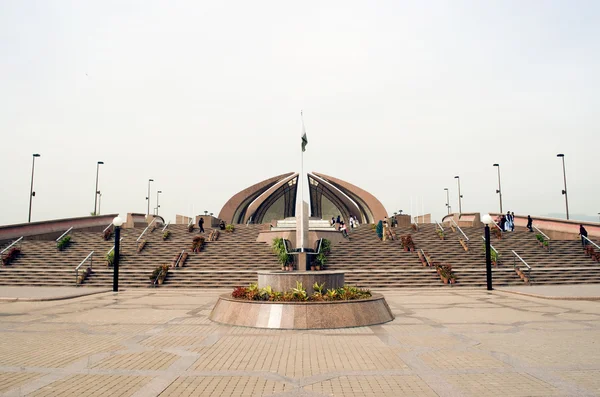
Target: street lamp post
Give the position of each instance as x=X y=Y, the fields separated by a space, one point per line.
x=96 y=191
x=31 y=192
x=117 y=222
x=565 y=178
x=148 y=197
x=459 y=197
x=499 y=190
x=99 y=200
x=157 y=205
x=487 y=219
x=447 y=199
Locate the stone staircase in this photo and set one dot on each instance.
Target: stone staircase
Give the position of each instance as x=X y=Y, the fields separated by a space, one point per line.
x=235 y=257
x=230 y=261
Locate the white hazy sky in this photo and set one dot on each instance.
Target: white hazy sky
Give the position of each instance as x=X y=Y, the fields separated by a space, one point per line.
x=204 y=97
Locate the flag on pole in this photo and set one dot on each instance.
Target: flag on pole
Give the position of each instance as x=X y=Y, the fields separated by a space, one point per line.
x=304 y=138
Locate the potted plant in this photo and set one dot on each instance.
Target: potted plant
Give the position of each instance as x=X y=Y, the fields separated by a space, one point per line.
x=440 y=233
x=191 y=227
x=63 y=243
x=82 y=275
x=110 y=258
x=141 y=246
x=197 y=243
x=11 y=255
x=107 y=234
x=166 y=235
x=159 y=274
x=284 y=259
x=229 y=228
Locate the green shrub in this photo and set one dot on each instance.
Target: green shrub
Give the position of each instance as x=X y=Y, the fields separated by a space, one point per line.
x=63 y=242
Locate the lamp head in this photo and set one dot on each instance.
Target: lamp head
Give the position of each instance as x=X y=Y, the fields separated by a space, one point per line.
x=496 y=165
x=445 y=188
x=160 y=191
x=457 y=177
x=150 y=180
x=560 y=155
x=100 y=162
x=487 y=219
x=117 y=221
x=36 y=155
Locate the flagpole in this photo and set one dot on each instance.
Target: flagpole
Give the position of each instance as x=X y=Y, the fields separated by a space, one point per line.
x=301 y=181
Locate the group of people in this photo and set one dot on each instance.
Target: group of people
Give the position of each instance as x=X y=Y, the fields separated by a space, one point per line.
x=340 y=225
x=506 y=222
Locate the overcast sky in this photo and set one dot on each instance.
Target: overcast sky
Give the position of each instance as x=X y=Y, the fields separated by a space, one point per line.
x=205 y=98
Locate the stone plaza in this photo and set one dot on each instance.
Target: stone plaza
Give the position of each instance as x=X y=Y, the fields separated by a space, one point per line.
x=451 y=342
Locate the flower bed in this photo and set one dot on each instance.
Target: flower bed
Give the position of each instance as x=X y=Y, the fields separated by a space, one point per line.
x=298 y=294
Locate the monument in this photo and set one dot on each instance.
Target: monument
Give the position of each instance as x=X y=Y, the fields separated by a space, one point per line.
x=257 y=202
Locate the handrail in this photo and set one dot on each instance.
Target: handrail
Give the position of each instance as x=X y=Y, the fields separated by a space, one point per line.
x=498 y=226
x=491 y=246
x=179 y=258
x=166 y=225
x=107 y=227
x=319 y=246
x=13 y=243
x=64 y=234
x=542 y=233
x=440 y=226
x=593 y=243
x=425 y=256
x=190 y=222
x=416 y=224
x=459 y=229
x=113 y=247
x=522 y=260
x=150 y=224
x=91 y=258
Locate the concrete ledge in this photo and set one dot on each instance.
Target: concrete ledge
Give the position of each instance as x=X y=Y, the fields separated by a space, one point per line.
x=301 y=315
x=588 y=292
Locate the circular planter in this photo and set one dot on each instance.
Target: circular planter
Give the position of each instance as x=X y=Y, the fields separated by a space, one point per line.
x=285 y=281
x=301 y=315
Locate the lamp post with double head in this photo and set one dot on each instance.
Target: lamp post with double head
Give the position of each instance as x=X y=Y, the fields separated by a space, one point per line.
x=565 y=179
x=447 y=200
x=96 y=192
x=148 y=198
x=459 y=197
x=499 y=190
x=117 y=223
x=487 y=220
x=157 y=205
x=31 y=192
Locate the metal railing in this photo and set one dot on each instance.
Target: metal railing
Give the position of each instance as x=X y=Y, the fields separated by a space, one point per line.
x=466 y=240
x=440 y=226
x=147 y=227
x=11 y=245
x=113 y=247
x=498 y=226
x=491 y=246
x=544 y=235
x=190 y=222
x=515 y=257
x=166 y=226
x=64 y=234
x=425 y=257
x=588 y=240
x=90 y=257
x=106 y=228
x=179 y=258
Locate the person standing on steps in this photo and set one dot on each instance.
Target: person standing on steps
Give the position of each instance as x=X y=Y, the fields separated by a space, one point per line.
x=201 y=225
x=512 y=216
x=529 y=223
x=583 y=233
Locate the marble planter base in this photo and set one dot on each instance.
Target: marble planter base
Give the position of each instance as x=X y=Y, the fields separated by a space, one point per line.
x=285 y=281
x=301 y=315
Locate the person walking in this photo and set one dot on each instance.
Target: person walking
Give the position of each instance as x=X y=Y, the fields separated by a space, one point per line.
x=512 y=225
x=508 y=221
x=529 y=223
x=583 y=233
x=201 y=225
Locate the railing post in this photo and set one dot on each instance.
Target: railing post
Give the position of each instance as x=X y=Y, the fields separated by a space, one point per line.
x=488 y=258
x=116 y=262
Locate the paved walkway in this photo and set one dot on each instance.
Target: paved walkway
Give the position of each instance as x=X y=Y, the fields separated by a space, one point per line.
x=568 y=292
x=443 y=342
x=46 y=293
